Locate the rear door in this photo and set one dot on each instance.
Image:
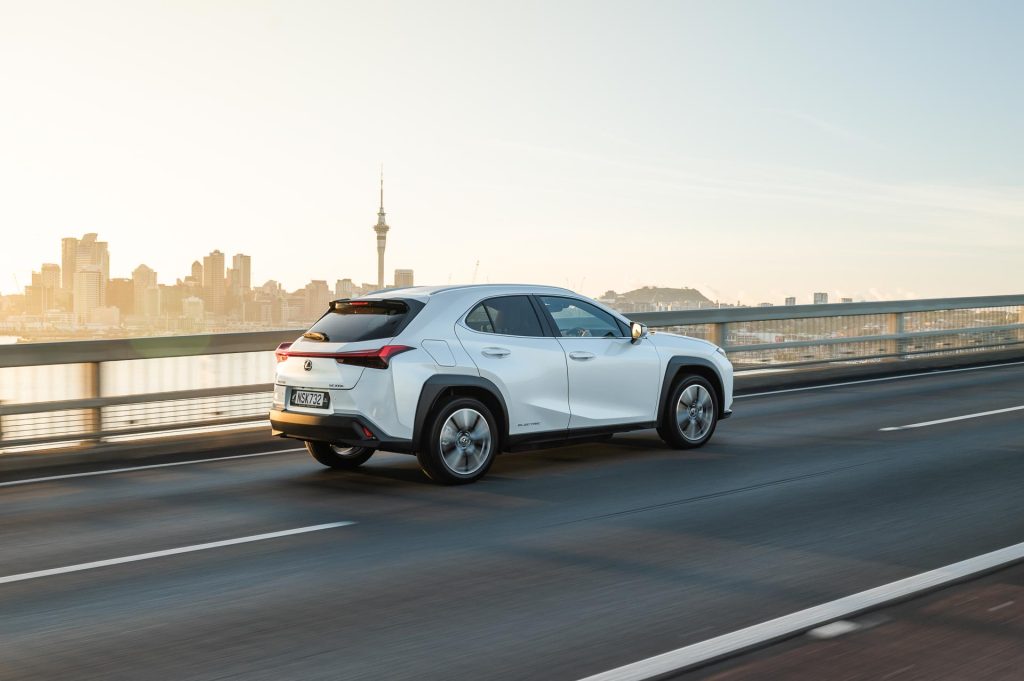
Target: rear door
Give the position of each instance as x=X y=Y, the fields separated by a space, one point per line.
x=507 y=341
x=611 y=379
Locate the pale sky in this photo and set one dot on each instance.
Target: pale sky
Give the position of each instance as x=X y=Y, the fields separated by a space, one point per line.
x=750 y=149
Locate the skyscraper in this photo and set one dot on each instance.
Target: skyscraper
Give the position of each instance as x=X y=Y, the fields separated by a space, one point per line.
x=381 y=228
x=213 y=283
x=79 y=254
x=68 y=260
x=403 y=278
x=41 y=295
x=791 y=300
x=89 y=290
x=121 y=294
x=820 y=298
x=317 y=296
x=143 y=280
x=241 y=273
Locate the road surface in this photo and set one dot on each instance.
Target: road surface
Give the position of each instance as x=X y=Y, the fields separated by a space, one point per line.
x=560 y=564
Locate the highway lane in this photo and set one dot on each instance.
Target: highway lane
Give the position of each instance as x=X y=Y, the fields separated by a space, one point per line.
x=560 y=564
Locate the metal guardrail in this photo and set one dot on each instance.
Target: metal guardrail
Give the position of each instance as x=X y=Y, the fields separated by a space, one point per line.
x=800 y=335
x=97 y=415
x=85 y=392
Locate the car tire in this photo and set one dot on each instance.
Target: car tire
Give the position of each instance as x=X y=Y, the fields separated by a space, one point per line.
x=691 y=413
x=339 y=458
x=460 y=442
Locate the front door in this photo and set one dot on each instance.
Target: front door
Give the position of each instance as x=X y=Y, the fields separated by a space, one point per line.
x=611 y=379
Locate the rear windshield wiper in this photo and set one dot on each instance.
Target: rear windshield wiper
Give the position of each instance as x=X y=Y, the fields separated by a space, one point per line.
x=318 y=336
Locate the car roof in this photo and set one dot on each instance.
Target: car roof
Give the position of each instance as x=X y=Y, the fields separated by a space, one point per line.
x=424 y=293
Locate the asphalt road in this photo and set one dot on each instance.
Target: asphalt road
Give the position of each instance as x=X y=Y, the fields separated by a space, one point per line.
x=560 y=564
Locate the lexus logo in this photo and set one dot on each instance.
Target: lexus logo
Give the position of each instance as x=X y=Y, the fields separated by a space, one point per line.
x=308 y=365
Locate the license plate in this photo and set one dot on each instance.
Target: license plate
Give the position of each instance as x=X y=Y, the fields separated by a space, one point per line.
x=311 y=398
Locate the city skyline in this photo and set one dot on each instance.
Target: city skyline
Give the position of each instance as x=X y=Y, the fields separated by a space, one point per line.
x=749 y=151
x=84 y=274
x=237 y=279
x=79 y=294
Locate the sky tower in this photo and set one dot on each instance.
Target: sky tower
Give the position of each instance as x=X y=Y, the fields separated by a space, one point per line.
x=382 y=233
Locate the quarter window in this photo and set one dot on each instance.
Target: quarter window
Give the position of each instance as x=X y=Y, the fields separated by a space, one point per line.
x=507 y=315
x=479 y=320
x=576 y=318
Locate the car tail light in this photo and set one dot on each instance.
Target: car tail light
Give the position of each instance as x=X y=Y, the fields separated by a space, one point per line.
x=372 y=359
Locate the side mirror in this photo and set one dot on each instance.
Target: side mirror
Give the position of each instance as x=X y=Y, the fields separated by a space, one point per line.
x=637 y=331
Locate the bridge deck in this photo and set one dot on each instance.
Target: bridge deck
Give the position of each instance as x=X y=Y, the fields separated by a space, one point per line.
x=562 y=563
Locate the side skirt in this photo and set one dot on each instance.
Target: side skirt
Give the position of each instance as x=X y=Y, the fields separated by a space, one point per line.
x=557 y=438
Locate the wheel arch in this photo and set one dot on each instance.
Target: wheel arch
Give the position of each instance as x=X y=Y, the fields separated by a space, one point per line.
x=440 y=386
x=699 y=366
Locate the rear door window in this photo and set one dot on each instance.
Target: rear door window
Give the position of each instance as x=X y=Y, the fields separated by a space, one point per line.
x=507 y=315
x=349 y=321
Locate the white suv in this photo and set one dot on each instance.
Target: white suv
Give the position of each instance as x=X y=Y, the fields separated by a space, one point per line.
x=457 y=374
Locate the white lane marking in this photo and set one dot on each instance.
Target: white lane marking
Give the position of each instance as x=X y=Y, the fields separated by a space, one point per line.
x=876 y=380
x=994 y=608
x=804 y=620
x=952 y=418
x=111 y=471
x=834 y=630
x=168 y=552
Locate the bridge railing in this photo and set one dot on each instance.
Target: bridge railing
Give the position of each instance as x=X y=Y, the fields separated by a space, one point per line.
x=801 y=335
x=85 y=392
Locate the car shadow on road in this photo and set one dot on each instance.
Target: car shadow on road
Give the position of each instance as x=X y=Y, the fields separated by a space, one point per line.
x=386 y=471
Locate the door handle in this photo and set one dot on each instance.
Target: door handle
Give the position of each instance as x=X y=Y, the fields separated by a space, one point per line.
x=581 y=355
x=496 y=352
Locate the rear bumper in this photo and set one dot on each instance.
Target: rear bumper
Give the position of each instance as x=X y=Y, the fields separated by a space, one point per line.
x=338 y=429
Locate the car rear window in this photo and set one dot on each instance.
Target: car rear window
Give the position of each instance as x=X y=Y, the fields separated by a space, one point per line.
x=349 y=321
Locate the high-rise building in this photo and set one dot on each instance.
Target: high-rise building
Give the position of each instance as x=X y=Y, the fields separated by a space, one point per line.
x=214 y=287
x=846 y=300
x=381 y=228
x=192 y=309
x=403 y=278
x=170 y=298
x=317 y=296
x=89 y=291
x=50 y=275
x=121 y=294
x=791 y=300
x=143 y=281
x=820 y=298
x=68 y=261
x=241 y=273
x=79 y=254
x=345 y=288
x=41 y=295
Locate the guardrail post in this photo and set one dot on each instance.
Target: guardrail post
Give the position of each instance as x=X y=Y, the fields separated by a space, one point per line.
x=718 y=333
x=93 y=390
x=894 y=327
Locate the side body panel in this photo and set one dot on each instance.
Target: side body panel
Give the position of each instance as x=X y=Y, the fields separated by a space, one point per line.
x=611 y=381
x=530 y=372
